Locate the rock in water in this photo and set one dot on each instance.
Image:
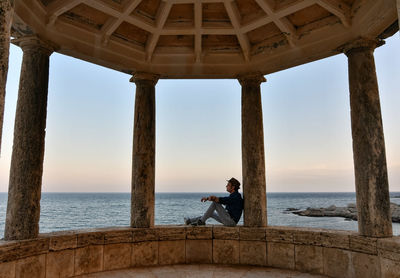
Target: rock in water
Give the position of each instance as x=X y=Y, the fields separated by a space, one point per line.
x=349 y=212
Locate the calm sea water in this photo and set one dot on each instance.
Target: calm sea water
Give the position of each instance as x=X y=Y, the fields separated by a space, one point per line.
x=66 y=211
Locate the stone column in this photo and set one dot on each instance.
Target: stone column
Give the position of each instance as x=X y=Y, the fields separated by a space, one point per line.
x=398 y=11
x=372 y=187
x=253 y=161
x=143 y=157
x=6 y=12
x=23 y=208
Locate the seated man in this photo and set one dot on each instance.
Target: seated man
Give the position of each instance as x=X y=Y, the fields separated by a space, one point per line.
x=230 y=215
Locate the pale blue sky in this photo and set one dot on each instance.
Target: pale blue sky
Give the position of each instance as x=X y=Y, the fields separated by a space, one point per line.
x=306 y=127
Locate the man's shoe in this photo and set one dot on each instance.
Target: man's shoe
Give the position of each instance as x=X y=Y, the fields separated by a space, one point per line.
x=198 y=222
x=187 y=220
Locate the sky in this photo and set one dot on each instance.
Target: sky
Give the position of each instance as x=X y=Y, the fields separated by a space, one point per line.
x=306 y=114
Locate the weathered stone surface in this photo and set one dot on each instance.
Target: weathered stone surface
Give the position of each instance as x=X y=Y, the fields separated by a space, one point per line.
x=62 y=241
x=252 y=233
x=398 y=11
x=24 y=192
x=389 y=248
x=309 y=259
x=60 y=264
x=119 y=236
x=143 y=156
x=88 y=259
x=390 y=244
x=34 y=266
x=279 y=234
x=337 y=263
x=143 y=234
x=308 y=237
x=6 y=12
x=280 y=255
x=389 y=268
x=363 y=244
x=90 y=238
x=117 y=256
x=337 y=239
x=171 y=252
x=226 y=251
x=7 y=270
x=365 y=266
x=229 y=233
x=9 y=250
x=394 y=256
x=372 y=187
x=33 y=247
x=171 y=233
x=253 y=252
x=199 y=232
x=253 y=161
x=199 y=251
x=145 y=253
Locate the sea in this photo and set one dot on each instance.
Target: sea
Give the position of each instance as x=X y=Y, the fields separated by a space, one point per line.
x=71 y=211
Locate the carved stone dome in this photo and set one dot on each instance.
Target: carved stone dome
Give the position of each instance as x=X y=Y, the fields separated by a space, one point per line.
x=202 y=38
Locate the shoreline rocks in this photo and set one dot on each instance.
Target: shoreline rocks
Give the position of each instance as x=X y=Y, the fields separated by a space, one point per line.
x=349 y=212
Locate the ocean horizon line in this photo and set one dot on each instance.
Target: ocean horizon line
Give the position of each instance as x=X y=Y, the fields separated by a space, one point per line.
x=185 y=192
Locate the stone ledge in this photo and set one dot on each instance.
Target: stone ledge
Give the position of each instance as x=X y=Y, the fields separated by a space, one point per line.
x=117 y=256
x=14 y=250
x=337 y=262
x=227 y=233
x=60 y=263
x=367 y=245
x=8 y=251
x=144 y=253
x=171 y=252
x=86 y=238
x=250 y=233
x=62 y=241
x=308 y=237
x=279 y=234
x=199 y=251
x=225 y=251
x=253 y=252
x=281 y=255
x=88 y=259
x=142 y=234
x=389 y=244
x=327 y=252
x=333 y=239
x=389 y=248
x=171 y=233
x=309 y=259
x=119 y=236
x=199 y=232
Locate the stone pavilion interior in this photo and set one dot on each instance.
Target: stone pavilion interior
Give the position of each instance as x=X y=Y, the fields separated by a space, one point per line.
x=198 y=39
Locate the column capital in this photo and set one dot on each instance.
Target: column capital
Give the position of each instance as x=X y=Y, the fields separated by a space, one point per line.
x=7 y=5
x=34 y=43
x=255 y=78
x=145 y=77
x=361 y=44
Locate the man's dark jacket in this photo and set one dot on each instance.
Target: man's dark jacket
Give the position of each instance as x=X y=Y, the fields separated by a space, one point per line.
x=234 y=205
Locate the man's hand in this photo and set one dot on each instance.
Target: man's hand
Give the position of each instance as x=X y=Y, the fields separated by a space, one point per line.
x=210 y=198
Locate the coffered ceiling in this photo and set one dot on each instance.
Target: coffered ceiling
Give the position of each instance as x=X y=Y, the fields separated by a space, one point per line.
x=202 y=38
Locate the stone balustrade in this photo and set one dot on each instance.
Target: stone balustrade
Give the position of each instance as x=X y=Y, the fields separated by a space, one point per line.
x=328 y=252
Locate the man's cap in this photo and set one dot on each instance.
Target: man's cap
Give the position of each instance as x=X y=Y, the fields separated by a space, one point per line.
x=234 y=182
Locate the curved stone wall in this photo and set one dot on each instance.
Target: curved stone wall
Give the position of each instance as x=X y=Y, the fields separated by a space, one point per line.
x=328 y=252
